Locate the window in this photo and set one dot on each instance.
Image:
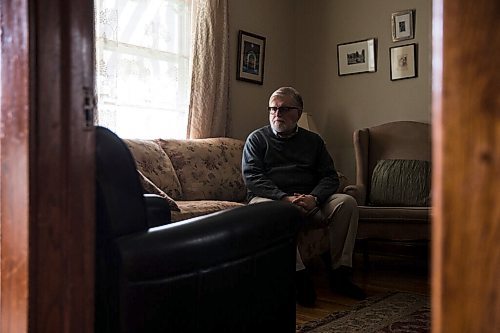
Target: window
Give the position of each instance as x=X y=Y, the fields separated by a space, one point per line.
x=142 y=66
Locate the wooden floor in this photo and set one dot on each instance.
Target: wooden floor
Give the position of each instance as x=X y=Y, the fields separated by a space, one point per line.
x=385 y=273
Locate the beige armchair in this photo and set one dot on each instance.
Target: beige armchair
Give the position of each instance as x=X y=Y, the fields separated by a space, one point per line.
x=392 y=182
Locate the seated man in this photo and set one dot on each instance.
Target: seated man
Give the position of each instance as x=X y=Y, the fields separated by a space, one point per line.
x=282 y=161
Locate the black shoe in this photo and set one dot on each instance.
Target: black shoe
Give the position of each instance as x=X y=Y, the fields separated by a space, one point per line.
x=306 y=296
x=341 y=283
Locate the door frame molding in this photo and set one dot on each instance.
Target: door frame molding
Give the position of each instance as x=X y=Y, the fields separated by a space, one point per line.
x=14 y=166
x=466 y=160
x=47 y=167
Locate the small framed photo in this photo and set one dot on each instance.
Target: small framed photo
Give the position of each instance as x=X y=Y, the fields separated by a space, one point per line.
x=402 y=25
x=403 y=62
x=251 y=52
x=357 y=57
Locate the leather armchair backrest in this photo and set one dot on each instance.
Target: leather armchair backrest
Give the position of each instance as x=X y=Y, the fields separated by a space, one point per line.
x=120 y=195
x=409 y=140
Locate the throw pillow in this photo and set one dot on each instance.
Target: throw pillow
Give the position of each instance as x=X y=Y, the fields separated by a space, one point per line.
x=401 y=183
x=155 y=165
x=151 y=188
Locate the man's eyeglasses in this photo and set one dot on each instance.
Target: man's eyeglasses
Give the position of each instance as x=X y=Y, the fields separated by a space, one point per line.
x=282 y=109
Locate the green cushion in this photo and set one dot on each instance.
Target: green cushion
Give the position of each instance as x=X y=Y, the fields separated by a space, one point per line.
x=401 y=183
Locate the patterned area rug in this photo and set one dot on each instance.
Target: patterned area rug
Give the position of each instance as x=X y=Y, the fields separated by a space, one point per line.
x=394 y=312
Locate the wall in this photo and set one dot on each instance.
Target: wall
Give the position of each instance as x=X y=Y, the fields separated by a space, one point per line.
x=273 y=20
x=341 y=104
x=301 y=50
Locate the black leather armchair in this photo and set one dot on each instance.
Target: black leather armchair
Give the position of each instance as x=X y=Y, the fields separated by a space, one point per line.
x=230 y=271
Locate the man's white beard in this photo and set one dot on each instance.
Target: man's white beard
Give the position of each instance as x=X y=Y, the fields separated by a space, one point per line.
x=282 y=127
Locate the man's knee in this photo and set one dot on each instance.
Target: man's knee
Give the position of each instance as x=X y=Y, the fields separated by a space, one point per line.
x=347 y=201
x=340 y=207
x=344 y=200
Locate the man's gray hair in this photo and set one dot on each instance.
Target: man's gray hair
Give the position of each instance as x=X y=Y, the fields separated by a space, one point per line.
x=289 y=91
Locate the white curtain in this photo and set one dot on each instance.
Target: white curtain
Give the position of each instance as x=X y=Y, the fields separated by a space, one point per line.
x=142 y=67
x=209 y=101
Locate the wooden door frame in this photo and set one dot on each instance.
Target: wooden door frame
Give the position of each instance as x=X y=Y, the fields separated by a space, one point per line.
x=47 y=195
x=14 y=167
x=47 y=166
x=466 y=158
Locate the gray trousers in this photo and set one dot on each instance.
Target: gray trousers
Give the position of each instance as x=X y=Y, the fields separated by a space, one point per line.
x=341 y=214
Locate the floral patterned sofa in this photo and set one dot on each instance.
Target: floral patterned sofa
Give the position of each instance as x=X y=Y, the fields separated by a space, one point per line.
x=197 y=177
x=203 y=176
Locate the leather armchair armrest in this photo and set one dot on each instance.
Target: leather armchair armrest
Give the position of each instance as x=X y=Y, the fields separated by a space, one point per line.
x=201 y=242
x=358 y=192
x=157 y=210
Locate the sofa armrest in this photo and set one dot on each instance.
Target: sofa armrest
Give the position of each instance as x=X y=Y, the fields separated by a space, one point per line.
x=202 y=242
x=358 y=192
x=157 y=210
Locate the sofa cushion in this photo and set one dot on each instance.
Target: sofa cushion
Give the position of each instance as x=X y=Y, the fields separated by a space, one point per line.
x=154 y=164
x=189 y=209
x=400 y=183
x=208 y=169
x=151 y=188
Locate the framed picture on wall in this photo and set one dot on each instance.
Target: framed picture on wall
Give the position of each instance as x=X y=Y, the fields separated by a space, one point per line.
x=403 y=62
x=251 y=52
x=402 y=25
x=357 y=57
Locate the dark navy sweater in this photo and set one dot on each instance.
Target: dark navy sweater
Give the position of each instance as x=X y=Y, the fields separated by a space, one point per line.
x=274 y=167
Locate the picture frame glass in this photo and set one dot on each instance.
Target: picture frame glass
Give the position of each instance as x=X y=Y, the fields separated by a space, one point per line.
x=356 y=57
x=251 y=56
x=251 y=52
x=402 y=25
x=403 y=62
